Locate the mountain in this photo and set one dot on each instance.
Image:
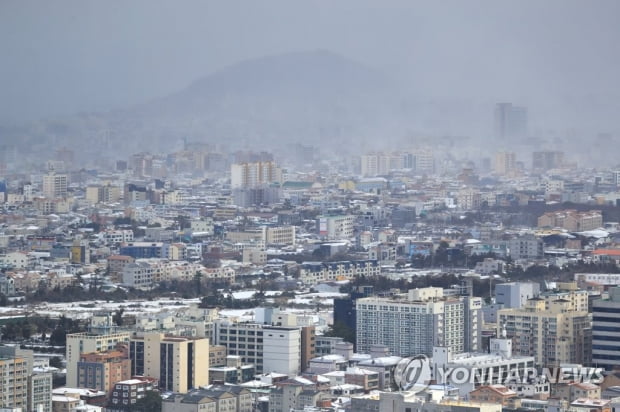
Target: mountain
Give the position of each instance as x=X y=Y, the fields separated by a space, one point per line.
x=316 y=97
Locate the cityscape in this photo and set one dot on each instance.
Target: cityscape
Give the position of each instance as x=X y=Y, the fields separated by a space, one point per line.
x=298 y=231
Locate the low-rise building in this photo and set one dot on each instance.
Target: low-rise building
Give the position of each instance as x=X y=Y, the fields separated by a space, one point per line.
x=126 y=393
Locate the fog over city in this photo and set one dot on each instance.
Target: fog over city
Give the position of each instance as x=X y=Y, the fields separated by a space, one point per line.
x=309 y=206
x=354 y=71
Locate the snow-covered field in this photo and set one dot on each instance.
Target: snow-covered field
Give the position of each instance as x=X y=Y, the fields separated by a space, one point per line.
x=85 y=309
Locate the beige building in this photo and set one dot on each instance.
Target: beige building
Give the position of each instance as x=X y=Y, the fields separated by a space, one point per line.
x=248 y=175
x=17 y=379
x=264 y=235
x=55 y=185
x=430 y=401
x=66 y=403
x=102 y=336
x=572 y=220
x=179 y=363
x=553 y=329
x=215 y=398
x=217 y=355
x=102 y=194
x=100 y=370
x=495 y=394
x=280 y=235
x=572 y=391
x=254 y=255
x=14 y=382
x=505 y=163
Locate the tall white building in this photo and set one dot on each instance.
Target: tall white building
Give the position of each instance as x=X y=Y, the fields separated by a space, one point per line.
x=510 y=121
x=515 y=294
x=252 y=175
x=282 y=350
x=413 y=324
x=505 y=163
x=489 y=368
x=336 y=227
x=55 y=185
x=269 y=348
x=423 y=161
x=379 y=164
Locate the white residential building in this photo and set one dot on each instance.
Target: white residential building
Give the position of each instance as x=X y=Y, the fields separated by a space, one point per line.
x=515 y=294
x=55 y=185
x=118 y=236
x=336 y=227
x=413 y=324
x=312 y=273
x=251 y=175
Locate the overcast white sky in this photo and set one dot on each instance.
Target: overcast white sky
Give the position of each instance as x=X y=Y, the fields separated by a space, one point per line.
x=67 y=56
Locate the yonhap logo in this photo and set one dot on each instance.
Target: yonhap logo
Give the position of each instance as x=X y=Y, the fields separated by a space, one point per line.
x=413 y=374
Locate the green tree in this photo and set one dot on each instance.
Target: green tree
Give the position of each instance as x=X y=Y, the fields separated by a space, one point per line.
x=118 y=317
x=56 y=362
x=9 y=331
x=26 y=330
x=58 y=337
x=341 y=330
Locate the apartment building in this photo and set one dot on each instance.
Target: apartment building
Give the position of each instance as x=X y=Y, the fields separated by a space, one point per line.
x=515 y=294
x=489 y=368
x=335 y=227
x=101 y=370
x=102 y=194
x=17 y=377
x=146 y=273
x=55 y=185
x=214 y=398
x=118 y=236
x=316 y=272
x=412 y=324
x=405 y=401
x=552 y=330
x=379 y=164
x=280 y=235
x=264 y=235
x=269 y=348
x=102 y=336
x=14 y=382
x=251 y=175
x=525 y=247
x=572 y=220
x=127 y=392
x=40 y=392
x=606 y=331
x=179 y=363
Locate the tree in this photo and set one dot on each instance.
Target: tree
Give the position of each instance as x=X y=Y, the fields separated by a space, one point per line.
x=26 y=330
x=56 y=362
x=118 y=317
x=151 y=402
x=341 y=330
x=58 y=337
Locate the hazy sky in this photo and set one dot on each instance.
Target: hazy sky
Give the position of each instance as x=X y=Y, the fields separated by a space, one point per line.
x=68 y=56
